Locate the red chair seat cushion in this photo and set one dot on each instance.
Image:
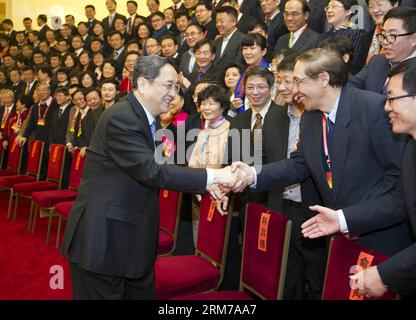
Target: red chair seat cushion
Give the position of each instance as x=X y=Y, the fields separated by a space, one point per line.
x=8 y=172
x=63 y=208
x=165 y=242
x=28 y=188
x=218 y=295
x=182 y=275
x=48 y=199
x=9 y=181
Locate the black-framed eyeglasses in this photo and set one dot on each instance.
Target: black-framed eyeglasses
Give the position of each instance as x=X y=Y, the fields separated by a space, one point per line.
x=391 y=38
x=391 y=99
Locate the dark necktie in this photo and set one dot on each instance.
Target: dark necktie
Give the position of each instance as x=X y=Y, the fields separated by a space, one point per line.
x=330 y=136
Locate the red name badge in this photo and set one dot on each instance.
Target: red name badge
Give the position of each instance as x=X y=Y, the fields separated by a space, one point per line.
x=264 y=226
x=211 y=211
x=41 y=121
x=165 y=194
x=364 y=261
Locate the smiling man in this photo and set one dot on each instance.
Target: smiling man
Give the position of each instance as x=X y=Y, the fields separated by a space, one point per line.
x=346 y=146
x=111 y=237
x=399 y=272
x=398 y=39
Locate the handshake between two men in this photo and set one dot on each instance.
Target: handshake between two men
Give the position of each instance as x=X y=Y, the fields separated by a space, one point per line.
x=240 y=175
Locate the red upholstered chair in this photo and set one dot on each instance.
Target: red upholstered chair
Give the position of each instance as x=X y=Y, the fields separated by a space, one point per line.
x=14 y=160
x=1 y=154
x=180 y=275
x=53 y=179
x=61 y=210
x=265 y=250
x=32 y=172
x=344 y=256
x=46 y=200
x=169 y=213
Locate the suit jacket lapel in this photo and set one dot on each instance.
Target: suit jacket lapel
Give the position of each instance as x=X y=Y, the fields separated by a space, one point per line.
x=409 y=182
x=341 y=140
x=138 y=109
x=315 y=144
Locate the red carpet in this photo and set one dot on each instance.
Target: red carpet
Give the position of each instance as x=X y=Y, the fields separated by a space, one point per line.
x=25 y=260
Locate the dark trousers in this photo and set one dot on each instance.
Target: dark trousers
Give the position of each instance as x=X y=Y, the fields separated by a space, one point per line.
x=307 y=257
x=88 y=285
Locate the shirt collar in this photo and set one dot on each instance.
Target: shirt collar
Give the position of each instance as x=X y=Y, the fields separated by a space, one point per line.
x=231 y=34
x=297 y=33
x=263 y=111
x=48 y=101
x=291 y=113
x=64 y=106
x=333 y=114
x=274 y=14
x=149 y=116
x=84 y=111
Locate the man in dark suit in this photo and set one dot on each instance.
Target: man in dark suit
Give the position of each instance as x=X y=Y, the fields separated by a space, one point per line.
x=204 y=16
x=58 y=127
x=346 y=147
x=119 y=51
x=399 y=272
x=194 y=33
x=112 y=231
x=300 y=37
x=275 y=24
x=90 y=15
x=108 y=22
x=229 y=44
x=29 y=80
x=39 y=123
x=42 y=21
x=7 y=25
x=399 y=20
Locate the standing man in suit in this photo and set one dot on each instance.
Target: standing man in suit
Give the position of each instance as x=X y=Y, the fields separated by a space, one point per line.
x=300 y=37
x=119 y=51
x=346 y=146
x=39 y=122
x=27 y=23
x=29 y=80
x=112 y=231
x=229 y=44
x=90 y=15
x=108 y=22
x=7 y=25
x=132 y=11
x=276 y=27
x=398 y=39
x=399 y=272
x=204 y=16
x=193 y=34
x=42 y=21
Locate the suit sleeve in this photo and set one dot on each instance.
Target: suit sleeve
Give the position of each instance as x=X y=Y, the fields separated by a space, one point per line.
x=358 y=81
x=129 y=149
x=399 y=272
x=383 y=205
x=31 y=124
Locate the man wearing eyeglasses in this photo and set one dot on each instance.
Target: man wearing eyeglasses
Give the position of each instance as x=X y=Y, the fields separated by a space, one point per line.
x=300 y=37
x=346 y=146
x=398 y=39
x=111 y=237
x=399 y=272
